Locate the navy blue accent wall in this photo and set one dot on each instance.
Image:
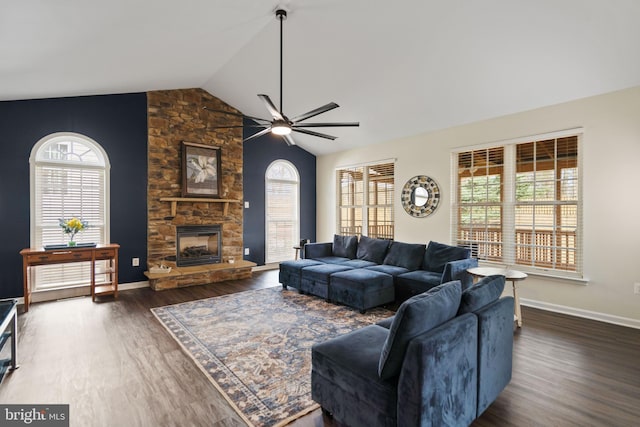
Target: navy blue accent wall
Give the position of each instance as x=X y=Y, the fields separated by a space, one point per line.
x=258 y=154
x=119 y=124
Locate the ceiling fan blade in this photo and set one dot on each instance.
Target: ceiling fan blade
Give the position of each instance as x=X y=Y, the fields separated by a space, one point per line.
x=310 y=132
x=289 y=140
x=257 y=134
x=259 y=125
x=272 y=108
x=313 y=113
x=327 y=125
x=236 y=114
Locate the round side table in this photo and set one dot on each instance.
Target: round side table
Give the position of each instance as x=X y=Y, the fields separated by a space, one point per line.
x=511 y=275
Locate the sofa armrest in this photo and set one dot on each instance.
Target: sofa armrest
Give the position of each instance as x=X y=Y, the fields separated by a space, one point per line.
x=438 y=380
x=457 y=270
x=318 y=250
x=495 y=350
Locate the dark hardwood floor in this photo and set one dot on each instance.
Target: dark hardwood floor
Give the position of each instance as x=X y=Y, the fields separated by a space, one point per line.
x=117 y=366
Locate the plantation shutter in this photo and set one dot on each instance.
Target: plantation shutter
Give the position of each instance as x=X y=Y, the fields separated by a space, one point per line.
x=69 y=181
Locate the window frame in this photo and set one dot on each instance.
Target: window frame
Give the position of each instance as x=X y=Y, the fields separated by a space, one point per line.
x=296 y=231
x=366 y=205
x=35 y=162
x=509 y=204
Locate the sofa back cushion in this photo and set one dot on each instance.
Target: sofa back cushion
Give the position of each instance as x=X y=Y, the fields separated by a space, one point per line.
x=407 y=255
x=487 y=290
x=345 y=246
x=417 y=315
x=438 y=255
x=372 y=250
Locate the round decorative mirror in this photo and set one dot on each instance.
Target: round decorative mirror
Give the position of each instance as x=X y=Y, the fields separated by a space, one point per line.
x=420 y=196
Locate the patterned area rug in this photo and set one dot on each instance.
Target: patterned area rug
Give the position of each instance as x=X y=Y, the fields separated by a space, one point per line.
x=255 y=346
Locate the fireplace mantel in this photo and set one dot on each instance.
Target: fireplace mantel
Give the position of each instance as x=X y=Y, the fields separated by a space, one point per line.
x=175 y=200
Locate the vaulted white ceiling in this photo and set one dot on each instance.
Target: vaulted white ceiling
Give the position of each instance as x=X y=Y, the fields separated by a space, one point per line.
x=400 y=68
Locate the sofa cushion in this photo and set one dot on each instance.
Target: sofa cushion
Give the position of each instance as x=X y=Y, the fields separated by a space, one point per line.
x=350 y=362
x=420 y=279
x=386 y=323
x=345 y=246
x=487 y=290
x=391 y=270
x=332 y=259
x=438 y=255
x=358 y=263
x=372 y=250
x=407 y=255
x=415 y=316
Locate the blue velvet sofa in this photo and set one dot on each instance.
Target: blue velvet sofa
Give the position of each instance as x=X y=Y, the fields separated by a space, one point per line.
x=440 y=361
x=368 y=272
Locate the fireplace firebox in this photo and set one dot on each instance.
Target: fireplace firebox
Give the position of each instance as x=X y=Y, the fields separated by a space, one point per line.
x=198 y=244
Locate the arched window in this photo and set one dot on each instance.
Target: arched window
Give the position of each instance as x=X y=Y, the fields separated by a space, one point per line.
x=282 y=211
x=69 y=178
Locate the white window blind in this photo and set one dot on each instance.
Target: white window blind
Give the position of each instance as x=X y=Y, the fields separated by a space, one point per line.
x=365 y=200
x=69 y=177
x=282 y=211
x=519 y=204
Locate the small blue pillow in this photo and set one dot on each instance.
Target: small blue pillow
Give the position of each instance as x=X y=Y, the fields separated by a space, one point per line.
x=417 y=315
x=438 y=255
x=372 y=250
x=345 y=246
x=407 y=255
x=482 y=293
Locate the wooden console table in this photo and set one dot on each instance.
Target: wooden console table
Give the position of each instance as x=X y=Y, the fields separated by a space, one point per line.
x=33 y=257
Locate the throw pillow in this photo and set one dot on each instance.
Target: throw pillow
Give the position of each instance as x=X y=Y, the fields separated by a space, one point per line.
x=372 y=250
x=345 y=246
x=487 y=290
x=417 y=315
x=438 y=255
x=407 y=255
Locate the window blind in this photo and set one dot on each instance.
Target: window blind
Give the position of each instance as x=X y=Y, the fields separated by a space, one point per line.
x=69 y=180
x=282 y=211
x=365 y=200
x=519 y=204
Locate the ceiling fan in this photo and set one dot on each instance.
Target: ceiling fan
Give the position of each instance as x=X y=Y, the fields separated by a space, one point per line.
x=280 y=124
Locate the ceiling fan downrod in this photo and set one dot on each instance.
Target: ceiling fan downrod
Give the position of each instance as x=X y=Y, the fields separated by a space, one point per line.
x=281 y=15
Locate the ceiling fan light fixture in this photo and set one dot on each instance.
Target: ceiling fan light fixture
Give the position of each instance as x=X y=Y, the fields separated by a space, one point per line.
x=280 y=128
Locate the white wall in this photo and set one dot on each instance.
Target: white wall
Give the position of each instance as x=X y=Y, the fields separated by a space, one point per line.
x=611 y=196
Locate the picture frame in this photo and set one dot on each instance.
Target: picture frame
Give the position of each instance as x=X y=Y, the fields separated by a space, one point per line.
x=201 y=171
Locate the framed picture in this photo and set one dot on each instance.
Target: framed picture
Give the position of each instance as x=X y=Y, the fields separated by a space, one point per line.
x=200 y=170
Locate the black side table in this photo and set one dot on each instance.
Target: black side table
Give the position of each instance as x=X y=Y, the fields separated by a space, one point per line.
x=9 y=329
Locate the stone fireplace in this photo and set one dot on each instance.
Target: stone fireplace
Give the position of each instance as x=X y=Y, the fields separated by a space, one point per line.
x=175 y=116
x=198 y=245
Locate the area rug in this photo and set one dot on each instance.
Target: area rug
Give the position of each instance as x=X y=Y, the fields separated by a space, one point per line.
x=255 y=346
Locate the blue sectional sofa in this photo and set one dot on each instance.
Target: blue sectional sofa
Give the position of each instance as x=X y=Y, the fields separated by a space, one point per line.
x=440 y=361
x=367 y=272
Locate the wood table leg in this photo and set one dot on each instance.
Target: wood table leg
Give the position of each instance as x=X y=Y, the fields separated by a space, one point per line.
x=516 y=304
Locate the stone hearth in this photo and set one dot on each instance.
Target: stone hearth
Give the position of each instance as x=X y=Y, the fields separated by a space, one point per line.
x=175 y=116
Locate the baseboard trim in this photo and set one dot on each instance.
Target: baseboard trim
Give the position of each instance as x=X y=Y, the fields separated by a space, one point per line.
x=133 y=285
x=586 y=314
x=272 y=266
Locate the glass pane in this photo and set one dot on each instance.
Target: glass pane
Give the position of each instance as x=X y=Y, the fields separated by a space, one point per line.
x=568 y=216
x=544 y=217
x=524 y=217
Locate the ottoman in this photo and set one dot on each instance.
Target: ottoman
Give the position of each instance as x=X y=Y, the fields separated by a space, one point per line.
x=290 y=271
x=315 y=280
x=361 y=288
